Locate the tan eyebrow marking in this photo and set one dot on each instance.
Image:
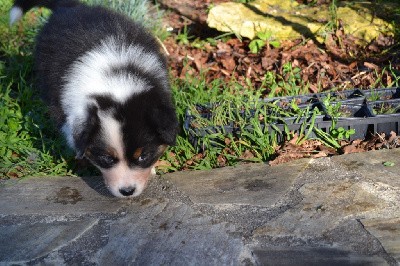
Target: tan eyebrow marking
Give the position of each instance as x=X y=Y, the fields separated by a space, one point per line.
x=109 y=151
x=113 y=152
x=137 y=153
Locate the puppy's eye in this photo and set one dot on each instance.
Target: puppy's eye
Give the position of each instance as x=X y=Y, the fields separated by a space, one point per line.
x=142 y=158
x=100 y=158
x=106 y=159
x=140 y=155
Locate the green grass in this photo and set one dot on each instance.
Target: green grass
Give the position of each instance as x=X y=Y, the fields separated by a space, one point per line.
x=27 y=146
x=139 y=10
x=289 y=83
x=255 y=136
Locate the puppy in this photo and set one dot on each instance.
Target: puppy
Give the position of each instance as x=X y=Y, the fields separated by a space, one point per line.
x=106 y=84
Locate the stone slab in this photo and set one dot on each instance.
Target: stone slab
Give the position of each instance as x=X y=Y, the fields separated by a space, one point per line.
x=310 y=256
x=28 y=240
x=170 y=233
x=332 y=199
x=371 y=165
x=387 y=231
x=154 y=232
x=57 y=195
x=304 y=211
x=253 y=184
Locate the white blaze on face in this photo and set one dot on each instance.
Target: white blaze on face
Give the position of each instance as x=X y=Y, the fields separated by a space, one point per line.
x=121 y=176
x=111 y=132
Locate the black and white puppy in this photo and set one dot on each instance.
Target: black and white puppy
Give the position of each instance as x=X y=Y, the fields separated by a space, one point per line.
x=106 y=84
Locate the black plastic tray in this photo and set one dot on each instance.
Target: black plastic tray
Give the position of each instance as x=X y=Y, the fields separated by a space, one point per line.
x=362 y=126
x=361 y=114
x=339 y=96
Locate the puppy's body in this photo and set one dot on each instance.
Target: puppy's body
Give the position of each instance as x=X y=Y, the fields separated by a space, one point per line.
x=106 y=83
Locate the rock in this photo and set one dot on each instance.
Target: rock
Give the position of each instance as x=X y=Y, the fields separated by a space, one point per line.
x=342 y=210
x=387 y=231
x=313 y=256
x=65 y=196
x=286 y=19
x=329 y=205
x=264 y=188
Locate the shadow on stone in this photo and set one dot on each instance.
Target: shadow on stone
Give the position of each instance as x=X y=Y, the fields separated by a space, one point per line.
x=303 y=30
x=97 y=184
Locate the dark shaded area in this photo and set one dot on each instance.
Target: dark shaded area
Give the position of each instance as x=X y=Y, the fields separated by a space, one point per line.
x=99 y=187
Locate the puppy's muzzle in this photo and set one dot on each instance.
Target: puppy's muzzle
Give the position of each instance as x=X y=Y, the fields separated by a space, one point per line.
x=124 y=182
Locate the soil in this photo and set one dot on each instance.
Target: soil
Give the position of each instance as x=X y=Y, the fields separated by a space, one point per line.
x=338 y=63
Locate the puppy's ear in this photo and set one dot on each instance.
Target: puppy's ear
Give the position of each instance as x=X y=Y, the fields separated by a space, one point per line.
x=87 y=129
x=166 y=123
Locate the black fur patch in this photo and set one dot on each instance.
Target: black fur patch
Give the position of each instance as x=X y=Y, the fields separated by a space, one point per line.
x=147 y=120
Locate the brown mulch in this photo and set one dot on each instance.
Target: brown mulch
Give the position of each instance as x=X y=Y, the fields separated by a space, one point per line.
x=338 y=63
x=321 y=69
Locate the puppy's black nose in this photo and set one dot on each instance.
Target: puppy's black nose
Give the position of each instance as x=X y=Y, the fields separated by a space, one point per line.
x=127 y=191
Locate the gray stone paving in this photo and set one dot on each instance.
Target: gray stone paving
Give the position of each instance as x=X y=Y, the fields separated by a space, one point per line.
x=343 y=210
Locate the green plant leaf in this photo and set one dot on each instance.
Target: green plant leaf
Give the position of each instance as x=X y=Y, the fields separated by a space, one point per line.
x=388 y=163
x=275 y=44
x=264 y=35
x=256 y=45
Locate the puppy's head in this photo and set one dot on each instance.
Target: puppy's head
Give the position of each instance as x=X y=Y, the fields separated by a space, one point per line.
x=124 y=140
